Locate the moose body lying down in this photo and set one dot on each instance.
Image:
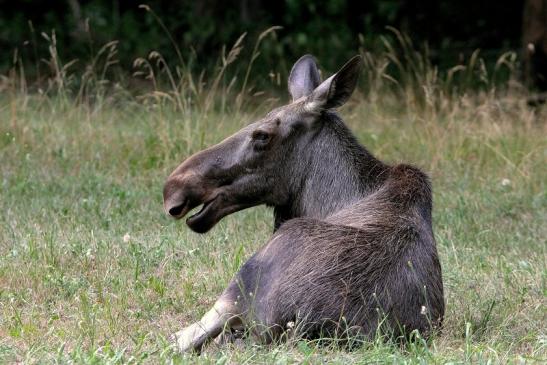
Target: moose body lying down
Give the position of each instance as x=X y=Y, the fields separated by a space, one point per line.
x=353 y=249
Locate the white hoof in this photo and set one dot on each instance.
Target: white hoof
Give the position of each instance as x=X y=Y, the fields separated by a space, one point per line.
x=189 y=339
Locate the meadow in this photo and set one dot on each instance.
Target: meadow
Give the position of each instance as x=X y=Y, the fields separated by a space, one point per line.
x=93 y=271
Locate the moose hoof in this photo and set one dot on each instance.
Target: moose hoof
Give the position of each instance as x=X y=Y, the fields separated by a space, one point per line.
x=188 y=339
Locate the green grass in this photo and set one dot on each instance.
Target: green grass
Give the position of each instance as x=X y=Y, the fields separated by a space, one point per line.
x=77 y=179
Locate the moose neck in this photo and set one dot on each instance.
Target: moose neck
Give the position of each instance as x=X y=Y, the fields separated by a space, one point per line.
x=332 y=171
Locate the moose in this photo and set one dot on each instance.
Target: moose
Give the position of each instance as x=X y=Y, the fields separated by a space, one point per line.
x=352 y=252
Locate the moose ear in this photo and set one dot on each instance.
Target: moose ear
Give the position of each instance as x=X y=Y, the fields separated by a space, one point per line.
x=304 y=77
x=337 y=89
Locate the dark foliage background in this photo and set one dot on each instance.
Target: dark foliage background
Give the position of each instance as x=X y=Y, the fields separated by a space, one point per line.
x=332 y=30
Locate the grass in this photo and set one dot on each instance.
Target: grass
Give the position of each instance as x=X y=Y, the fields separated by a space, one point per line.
x=92 y=271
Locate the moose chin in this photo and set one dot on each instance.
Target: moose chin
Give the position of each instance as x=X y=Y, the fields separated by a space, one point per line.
x=353 y=250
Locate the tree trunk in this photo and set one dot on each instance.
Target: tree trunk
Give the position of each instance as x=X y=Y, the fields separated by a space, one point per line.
x=534 y=40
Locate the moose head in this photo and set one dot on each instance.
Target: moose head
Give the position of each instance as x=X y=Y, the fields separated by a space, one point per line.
x=265 y=162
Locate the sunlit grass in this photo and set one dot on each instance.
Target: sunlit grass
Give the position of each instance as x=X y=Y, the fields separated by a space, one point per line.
x=75 y=182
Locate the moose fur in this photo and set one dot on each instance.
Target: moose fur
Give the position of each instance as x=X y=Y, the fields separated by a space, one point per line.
x=353 y=250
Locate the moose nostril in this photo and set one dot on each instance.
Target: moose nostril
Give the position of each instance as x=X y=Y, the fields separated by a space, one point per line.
x=176 y=210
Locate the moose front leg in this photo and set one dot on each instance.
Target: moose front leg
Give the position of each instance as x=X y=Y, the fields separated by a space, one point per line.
x=222 y=316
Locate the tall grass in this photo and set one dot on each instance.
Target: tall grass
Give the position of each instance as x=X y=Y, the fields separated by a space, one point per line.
x=91 y=270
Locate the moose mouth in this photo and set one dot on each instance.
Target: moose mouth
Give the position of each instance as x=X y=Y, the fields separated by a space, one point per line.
x=210 y=212
x=204 y=219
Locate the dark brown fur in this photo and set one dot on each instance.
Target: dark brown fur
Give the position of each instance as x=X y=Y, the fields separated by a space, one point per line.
x=353 y=249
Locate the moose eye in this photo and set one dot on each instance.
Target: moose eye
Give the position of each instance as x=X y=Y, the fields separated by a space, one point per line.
x=261 y=140
x=261 y=136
